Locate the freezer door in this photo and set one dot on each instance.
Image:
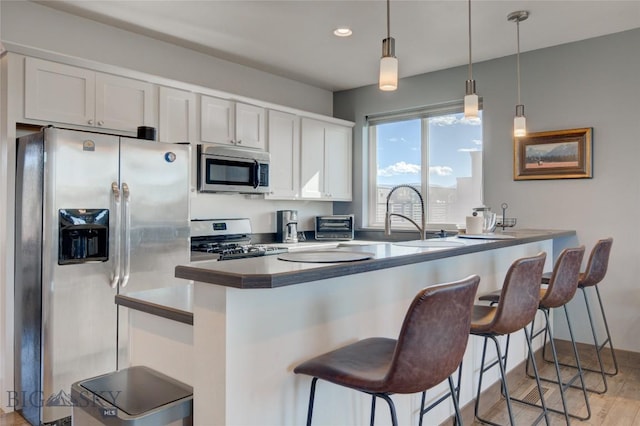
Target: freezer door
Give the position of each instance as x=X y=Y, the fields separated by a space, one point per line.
x=79 y=313
x=154 y=180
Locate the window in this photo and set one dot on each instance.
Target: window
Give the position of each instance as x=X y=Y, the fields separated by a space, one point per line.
x=401 y=144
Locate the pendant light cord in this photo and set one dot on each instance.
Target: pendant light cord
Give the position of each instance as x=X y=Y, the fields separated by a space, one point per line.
x=518 y=56
x=388 y=19
x=470 y=66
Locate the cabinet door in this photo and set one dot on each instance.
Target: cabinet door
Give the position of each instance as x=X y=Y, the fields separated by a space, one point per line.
x=338 y=166
x=284 y=146
x=312 y=159
x=250 y=126
x=60 y=93
x=123 y=103
x=177 y=115
x=216 y=120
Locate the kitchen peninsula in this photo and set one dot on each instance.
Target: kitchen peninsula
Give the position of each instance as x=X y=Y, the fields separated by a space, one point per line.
x=255 y=319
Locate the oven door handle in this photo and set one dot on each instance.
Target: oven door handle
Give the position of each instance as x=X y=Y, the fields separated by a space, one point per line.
x=256 y=174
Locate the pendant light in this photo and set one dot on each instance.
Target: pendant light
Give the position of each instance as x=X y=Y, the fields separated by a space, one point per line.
x=520 y=121
x=471 y=98
x=388 y=63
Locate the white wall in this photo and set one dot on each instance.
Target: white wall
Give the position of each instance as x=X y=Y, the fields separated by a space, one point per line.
x=35 y=25
x=592 y=83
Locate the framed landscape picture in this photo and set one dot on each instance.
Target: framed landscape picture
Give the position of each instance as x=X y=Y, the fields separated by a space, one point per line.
x=560 y=154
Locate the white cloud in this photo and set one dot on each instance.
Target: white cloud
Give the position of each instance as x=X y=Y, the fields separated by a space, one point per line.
x=450 y=120
x=441 y=170
x=404 y=168
x=469 y=149
x=443 y=120
x=400 y=168
x=477 y=141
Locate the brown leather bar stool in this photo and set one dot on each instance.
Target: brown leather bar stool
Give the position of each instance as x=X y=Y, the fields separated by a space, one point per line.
x=594 y=273
x=429 y=349
x=563 y=284
x=518 y=304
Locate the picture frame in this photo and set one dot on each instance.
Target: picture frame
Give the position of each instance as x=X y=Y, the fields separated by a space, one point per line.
x=558 y=154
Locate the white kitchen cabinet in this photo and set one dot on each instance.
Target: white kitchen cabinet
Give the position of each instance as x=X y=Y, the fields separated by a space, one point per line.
x=226 y=121
x=283 y=143
x=65 y=94
x=325 y=167
x=177 y=115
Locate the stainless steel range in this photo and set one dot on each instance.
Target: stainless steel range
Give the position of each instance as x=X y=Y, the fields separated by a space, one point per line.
x=226 y=239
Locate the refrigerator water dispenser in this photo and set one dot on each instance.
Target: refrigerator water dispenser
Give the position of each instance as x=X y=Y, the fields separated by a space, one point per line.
x=84 y=236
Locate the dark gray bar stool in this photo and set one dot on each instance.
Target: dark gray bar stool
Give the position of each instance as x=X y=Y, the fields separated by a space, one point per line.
x=429 y=349
x=517 y=307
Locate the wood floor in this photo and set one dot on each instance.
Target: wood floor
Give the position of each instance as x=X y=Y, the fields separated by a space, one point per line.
x=620 y=406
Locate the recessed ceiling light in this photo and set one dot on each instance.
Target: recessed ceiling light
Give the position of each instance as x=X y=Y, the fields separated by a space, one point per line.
x=342 y=32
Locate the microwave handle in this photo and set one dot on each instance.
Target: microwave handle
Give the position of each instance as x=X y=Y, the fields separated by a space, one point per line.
x=256 y=174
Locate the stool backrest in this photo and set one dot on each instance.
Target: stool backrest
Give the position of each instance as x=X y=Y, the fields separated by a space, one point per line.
x=520 y=295
x=598 y=263
x=564 y=279
x=433 y=336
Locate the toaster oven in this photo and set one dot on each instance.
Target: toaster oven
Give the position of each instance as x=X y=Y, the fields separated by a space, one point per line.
x=334 y=227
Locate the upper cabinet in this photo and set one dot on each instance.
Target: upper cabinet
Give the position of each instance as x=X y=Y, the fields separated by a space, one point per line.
x=60 y=93
x=283 y=143
x=325 y=167
x=177 y=110
x=229 y=122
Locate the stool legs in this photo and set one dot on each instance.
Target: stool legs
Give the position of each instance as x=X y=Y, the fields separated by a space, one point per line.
x=454 y=392
x=392 y=408
x=501 y=362
x=598 y=346
x=561 y=384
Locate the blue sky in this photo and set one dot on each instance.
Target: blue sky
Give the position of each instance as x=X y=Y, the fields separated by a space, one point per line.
x=450 y=138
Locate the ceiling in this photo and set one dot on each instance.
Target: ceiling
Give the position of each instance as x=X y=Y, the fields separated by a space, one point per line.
x=294 y=38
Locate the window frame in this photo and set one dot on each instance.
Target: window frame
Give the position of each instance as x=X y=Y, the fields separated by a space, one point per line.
x=422 y=113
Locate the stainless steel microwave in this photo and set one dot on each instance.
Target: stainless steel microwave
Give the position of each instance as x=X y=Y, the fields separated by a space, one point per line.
x=230 y=169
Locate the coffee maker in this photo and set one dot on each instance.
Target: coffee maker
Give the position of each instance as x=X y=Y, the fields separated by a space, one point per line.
x=287 y=226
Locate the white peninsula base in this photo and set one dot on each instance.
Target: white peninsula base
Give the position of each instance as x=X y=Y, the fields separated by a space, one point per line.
x=248 y=341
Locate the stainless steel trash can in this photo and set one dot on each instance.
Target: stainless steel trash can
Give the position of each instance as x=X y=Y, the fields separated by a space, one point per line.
x=135 y=396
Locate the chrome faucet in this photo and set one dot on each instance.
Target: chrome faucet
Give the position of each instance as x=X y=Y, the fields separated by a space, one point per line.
x=387 y=218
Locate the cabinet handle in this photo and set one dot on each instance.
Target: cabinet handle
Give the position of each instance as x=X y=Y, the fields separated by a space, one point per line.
x=100 y=123
x=91 y=122
x=239 y=141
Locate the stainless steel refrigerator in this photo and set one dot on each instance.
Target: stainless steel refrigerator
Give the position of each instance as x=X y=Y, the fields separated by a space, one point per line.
x=96 y=215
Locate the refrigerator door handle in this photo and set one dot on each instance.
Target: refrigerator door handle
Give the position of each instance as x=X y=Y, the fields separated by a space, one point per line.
x=126 y=225
x=115 y=190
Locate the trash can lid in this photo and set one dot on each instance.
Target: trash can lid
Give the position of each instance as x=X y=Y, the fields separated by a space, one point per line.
x=136 y=390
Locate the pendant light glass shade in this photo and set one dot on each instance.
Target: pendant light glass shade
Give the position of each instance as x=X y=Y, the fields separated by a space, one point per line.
x=471 y=98
x=388 y=80
x=519 y=121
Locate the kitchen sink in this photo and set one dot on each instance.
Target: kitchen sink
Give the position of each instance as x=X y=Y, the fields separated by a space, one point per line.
x=429 y=244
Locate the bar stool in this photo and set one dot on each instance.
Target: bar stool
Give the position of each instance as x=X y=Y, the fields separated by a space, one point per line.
x=518 y=304
x=563 y=284
x=430 y=347
x=594 y=273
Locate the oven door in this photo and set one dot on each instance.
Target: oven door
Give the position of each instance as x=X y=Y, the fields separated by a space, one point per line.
x=230 y=174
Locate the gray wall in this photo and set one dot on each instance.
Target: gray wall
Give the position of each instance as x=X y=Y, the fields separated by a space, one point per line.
x=35 y=25
x=592 y=83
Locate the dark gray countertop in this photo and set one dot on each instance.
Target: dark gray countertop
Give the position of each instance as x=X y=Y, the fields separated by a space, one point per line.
x=270 y=272
x=174 y=303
